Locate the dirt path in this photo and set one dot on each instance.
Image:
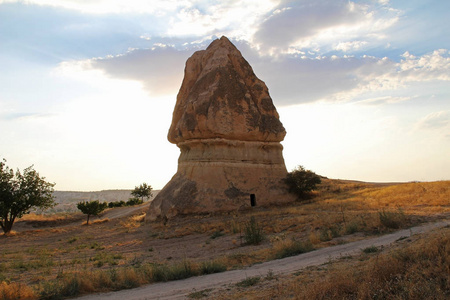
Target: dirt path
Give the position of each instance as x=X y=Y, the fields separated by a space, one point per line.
x=121 y=212
x=180 y=289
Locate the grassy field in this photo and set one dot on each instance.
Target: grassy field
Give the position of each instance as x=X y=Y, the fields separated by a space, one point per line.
x=52 y=257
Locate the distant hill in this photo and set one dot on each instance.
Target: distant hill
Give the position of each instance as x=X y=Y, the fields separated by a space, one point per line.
x=67 y=201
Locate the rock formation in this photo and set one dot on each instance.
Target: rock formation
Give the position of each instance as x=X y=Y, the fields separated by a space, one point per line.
x=229 y=135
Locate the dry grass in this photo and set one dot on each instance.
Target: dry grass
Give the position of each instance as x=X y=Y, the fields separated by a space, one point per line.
x=123 y=252
x=42 y=220
x=16 y=291
x=419 y=270
x=133 y=222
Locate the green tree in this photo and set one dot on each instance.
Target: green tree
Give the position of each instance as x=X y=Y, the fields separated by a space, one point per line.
x=300 y=181
x=91 y=208
x=142 y=191
x=20 y=192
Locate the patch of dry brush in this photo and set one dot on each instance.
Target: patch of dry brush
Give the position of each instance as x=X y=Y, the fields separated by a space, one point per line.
x=420 y=270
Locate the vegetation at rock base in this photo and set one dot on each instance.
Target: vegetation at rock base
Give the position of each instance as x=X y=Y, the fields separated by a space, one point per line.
x=20 y=192
x=301 y=181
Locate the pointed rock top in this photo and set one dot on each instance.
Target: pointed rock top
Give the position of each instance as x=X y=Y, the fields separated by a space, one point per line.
x=221 y=97
x=222 y=42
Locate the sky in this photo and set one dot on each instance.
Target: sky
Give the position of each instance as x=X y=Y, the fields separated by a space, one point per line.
x=87 y=88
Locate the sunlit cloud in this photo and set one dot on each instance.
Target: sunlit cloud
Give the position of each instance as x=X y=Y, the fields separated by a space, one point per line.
x=431 y=66
x=435 y=120
x=291 y=78
x=323 y=23
x=232 y=18
x=350 y=46
x=384 y=100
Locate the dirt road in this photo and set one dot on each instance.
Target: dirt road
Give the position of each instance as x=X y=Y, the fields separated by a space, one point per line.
x=121 y=212
x=180 y=289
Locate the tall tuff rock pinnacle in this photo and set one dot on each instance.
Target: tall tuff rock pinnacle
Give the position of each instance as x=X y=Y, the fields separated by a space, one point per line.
x=229 y=135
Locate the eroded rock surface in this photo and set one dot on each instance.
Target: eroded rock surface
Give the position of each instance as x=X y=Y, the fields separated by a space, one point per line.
x=229 y=135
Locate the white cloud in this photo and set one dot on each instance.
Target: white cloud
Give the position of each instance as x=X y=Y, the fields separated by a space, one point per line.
x=232 y=18
x=350 y=46
x=432 y=66
x=384 y=75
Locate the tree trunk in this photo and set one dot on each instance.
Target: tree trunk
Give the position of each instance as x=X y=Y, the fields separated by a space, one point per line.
x=7 y=226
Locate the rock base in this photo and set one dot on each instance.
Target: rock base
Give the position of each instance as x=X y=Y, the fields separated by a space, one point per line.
x=220 y=175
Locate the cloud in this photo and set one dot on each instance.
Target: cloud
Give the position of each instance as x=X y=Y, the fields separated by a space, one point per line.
x=435 y=120
x=431 y=66
x=109 y=6
x=321 y=23
x=231 y=18
x=159 y=69
x=291 y=78
x=350 y=46
x=296 y=79
x=384 y=100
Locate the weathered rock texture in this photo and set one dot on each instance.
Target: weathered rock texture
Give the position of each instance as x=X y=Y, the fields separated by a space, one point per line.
x=229 y=134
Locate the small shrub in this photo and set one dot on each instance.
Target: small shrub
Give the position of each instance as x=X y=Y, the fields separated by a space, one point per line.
x=210 y=267
x=199 y=294
x=182 y=270
x=50 y=290
x=371 y=249
x=72 y=240
x=300 y=182
x=249 y=281
x=351 y=228
x=293 y=248
x=71 y=287
x=217 y=234
x=253 y=233
x=235 y=227
x=335 y=231
x=270 y=275
x=392 y=219
x=116 y=204
x=134 y=201
x=324 y=235
x=160 y=273
x=128 y=278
